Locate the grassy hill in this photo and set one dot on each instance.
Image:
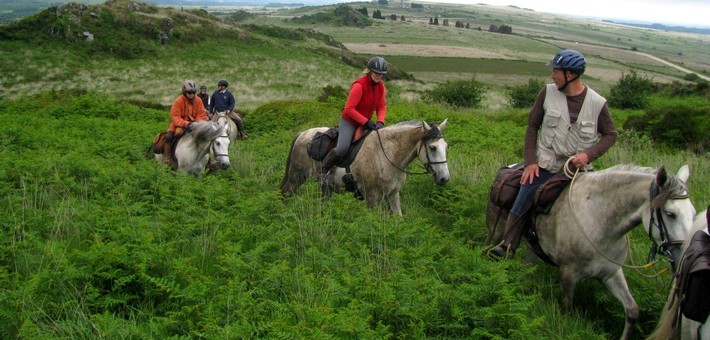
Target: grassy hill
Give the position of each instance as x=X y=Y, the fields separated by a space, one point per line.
x=127 y=59
x=99 y=241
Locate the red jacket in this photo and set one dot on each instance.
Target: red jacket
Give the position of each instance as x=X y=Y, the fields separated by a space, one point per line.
x=183 y=113
x=364 y=99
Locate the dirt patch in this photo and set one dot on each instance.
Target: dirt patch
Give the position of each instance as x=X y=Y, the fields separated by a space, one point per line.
x=423 y=50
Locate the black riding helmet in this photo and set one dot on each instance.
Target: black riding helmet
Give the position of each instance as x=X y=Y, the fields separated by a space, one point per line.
x=223 y=82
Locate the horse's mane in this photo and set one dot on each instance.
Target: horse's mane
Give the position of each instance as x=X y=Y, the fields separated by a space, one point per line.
x=434 y=132
x=414 y=122
x=673 y=186
x=206 y=130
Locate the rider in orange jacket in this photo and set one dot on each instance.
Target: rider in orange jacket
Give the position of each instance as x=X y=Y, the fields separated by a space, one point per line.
x=186 y=109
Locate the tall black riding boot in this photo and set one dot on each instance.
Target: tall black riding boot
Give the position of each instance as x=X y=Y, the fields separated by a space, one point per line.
x=330 y=160
x=167 y=157
x=514 y=228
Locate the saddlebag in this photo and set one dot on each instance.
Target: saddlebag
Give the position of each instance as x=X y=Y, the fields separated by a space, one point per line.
x=506 y=186
x=322 y=143
x=693 y=285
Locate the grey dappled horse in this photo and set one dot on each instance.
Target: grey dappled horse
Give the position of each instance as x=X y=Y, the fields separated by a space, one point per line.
x=380 y=167
x=584 y=232
x=220 y=146
x=689 y=329
x=192 y=149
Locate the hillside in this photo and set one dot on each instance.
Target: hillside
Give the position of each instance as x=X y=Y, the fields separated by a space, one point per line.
x=141 y=52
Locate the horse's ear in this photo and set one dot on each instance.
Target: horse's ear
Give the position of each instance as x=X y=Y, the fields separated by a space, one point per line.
x=684 y=173
x=426 y=126
x=442 y=126
x=661 y=176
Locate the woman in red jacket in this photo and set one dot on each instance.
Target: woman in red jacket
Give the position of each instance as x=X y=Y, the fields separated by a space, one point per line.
x=367 y=96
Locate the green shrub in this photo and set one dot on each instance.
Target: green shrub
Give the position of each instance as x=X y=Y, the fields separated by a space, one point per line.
x=333 y=91
x=461 y=93
x=679 y=125
x=631 y=91
x=523 y=96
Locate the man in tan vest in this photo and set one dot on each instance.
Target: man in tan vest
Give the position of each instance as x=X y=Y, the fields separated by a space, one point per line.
x=564 y=122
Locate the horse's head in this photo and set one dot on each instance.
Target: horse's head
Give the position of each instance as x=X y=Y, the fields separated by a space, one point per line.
x=220 y=146
x=434 y=155
x=670 y=217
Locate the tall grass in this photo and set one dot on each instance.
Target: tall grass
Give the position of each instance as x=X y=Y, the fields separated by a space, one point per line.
x=100 y=241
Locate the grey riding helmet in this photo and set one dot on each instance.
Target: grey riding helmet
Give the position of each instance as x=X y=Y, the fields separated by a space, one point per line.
x=189 y=86
x=378 y=65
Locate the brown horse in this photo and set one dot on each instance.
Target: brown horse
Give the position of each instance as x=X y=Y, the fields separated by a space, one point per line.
x=379 y=169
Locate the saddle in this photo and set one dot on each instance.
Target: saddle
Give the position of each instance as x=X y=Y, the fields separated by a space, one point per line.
x=158 y=145
x=323 y=142
x=503 y=193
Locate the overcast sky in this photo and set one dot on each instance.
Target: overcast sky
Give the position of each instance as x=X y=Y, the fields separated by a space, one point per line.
x=691 y=13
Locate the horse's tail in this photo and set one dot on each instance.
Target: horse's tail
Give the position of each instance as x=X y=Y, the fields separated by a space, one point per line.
x=668 y=325
x=285 y=181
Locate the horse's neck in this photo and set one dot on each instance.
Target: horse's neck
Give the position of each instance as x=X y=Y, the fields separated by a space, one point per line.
x=401 y=144
x=623 y=200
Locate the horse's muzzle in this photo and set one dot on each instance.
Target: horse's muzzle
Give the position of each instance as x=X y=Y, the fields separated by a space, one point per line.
x=442 y=180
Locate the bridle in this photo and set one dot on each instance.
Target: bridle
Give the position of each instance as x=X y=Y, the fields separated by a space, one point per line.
x=665 y=248
x=430 y=135
x=666 y=245
x=225 y=134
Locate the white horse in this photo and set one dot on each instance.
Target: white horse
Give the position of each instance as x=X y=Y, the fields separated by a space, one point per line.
x=584 y=232
x=220 y=146
x=379 y=169
x=687 y=329
x=192 y=149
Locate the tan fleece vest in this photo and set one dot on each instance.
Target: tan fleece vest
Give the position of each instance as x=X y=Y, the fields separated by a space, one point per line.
x=558 y=139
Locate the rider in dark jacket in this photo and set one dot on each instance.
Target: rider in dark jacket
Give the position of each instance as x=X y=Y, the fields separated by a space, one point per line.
x=223 y=100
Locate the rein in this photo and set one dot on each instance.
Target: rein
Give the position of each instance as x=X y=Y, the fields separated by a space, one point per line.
x=427 y=167
x=652 y=261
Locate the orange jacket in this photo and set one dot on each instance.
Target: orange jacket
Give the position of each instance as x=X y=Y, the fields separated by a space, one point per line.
x=183 y=112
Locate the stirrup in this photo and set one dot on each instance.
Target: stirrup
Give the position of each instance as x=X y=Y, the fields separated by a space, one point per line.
x=500 y=252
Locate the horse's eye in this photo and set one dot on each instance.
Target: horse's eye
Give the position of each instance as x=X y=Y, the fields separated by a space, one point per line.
x=670 y=214
x=432 y=147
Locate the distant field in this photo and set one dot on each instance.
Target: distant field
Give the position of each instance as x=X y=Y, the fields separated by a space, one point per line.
x=469 y=65
x=610 y=48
